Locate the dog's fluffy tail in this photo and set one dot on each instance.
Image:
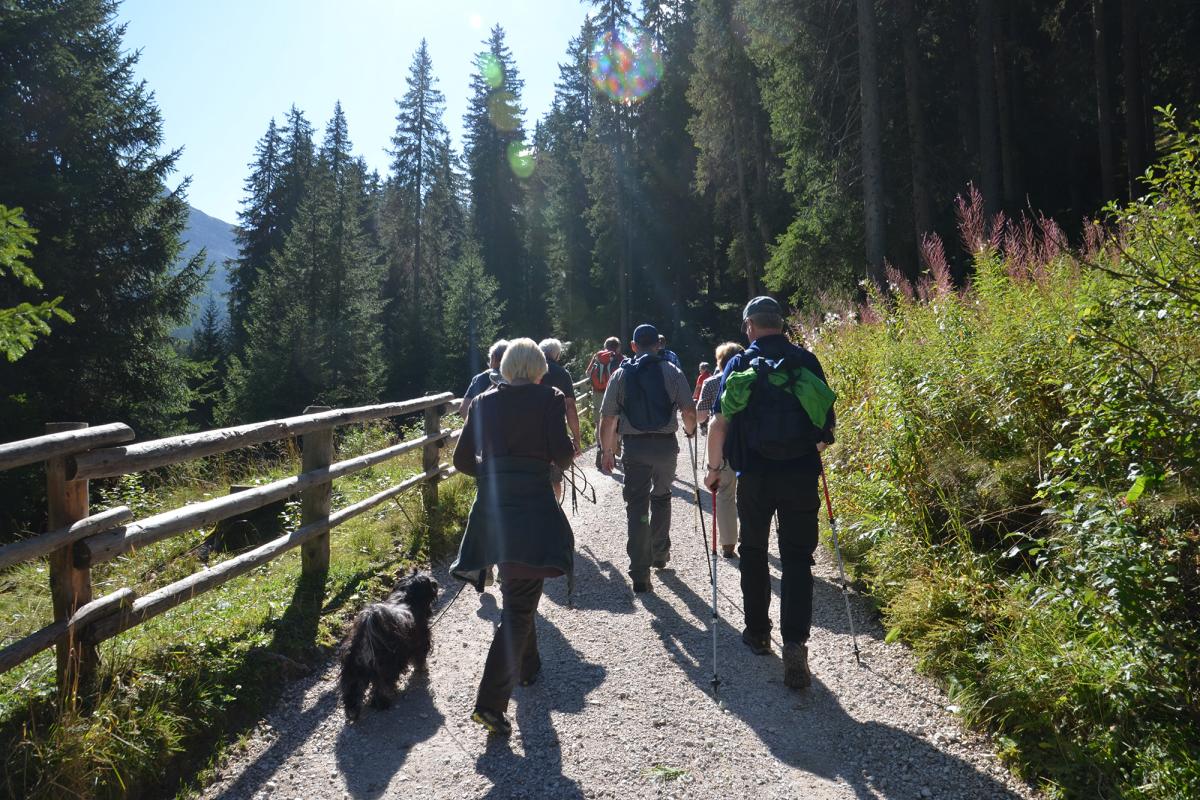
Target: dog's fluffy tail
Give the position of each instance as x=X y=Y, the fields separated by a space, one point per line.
x=379 y=631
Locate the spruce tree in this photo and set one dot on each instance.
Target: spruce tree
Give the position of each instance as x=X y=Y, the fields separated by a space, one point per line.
x=261 y=230
x=314 y=325
x=411 y=288
x=80 y=151
x=277 y=184
x=494 y=141
x=579 y=306
x=473 y=317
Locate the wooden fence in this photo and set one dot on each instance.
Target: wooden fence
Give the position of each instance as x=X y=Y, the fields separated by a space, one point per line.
x=75 y=453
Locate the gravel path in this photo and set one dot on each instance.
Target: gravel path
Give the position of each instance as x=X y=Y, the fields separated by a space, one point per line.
x=623 y=707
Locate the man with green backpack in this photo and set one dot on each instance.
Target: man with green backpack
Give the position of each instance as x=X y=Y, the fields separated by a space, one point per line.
x=772 y=418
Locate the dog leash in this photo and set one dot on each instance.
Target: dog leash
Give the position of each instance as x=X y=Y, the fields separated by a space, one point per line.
x=443 y=612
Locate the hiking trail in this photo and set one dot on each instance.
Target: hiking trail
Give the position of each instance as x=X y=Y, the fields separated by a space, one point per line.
x=622 y=708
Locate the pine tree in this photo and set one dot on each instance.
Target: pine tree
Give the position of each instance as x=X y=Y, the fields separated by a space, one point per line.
x=80 y=151
x=411 y=286
x=473 y=315
x=277 y=184
x=578 y=306
x=208 y=351
x=314 y=324
x=494 y=140
x=260 y=233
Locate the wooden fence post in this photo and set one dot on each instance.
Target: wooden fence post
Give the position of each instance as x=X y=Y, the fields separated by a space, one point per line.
x=315 y=503
x=70 y=586
x=431 y=457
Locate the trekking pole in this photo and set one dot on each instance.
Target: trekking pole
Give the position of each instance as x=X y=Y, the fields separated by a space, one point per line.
x=716 y=681
x=693 y=451
x=841 y=568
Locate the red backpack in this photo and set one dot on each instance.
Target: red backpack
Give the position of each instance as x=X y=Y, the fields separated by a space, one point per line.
x=603 y=365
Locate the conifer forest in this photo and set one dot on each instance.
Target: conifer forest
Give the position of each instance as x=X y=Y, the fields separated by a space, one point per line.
x=982 y=215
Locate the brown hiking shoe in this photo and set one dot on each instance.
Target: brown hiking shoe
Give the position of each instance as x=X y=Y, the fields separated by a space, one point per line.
x=795 y=666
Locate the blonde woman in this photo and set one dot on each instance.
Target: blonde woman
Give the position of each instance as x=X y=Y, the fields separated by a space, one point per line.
x=515 y=433
x=727 y=520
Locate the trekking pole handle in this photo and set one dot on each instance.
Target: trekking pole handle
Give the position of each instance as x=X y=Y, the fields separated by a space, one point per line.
x=825 y=487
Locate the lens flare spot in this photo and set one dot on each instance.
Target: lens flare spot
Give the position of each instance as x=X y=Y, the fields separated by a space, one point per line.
x=491 y=70
x=521 y=159
x=475 y=21
x=625 y=64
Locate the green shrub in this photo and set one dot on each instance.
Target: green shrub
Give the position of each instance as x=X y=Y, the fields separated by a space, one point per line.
x=1017 y=471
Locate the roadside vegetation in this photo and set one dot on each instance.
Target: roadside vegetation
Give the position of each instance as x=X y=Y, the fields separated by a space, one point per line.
x=178 y=689
x=1017 y=472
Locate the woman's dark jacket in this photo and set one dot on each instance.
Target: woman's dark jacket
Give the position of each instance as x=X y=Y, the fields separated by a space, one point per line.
x=511 y=437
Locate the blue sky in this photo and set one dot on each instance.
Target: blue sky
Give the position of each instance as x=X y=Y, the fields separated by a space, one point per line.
x=220 y=69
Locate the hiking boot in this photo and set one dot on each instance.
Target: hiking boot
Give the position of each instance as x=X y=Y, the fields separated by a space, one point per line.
x=795 y=666
x=660 y=564
x=727 y=551
x=641 y=586
x=759 y=643
x=492 y=721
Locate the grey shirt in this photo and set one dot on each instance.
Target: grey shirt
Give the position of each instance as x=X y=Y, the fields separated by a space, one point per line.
x=678 y=391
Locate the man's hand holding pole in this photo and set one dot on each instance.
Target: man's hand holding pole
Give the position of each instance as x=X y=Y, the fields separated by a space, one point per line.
x=716 y=452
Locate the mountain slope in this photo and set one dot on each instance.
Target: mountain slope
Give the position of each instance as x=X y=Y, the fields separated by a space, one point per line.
x=217 y=238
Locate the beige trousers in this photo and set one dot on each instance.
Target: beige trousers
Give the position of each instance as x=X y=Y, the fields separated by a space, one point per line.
x=727 y=517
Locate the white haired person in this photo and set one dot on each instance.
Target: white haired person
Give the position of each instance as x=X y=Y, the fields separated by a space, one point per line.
x=516 y=432
x=484 y=380
x=558 y=377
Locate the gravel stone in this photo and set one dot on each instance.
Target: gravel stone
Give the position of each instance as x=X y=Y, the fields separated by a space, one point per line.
x=624 y=709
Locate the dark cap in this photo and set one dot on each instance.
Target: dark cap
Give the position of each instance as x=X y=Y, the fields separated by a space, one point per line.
x=761 y=305
x=645 y=335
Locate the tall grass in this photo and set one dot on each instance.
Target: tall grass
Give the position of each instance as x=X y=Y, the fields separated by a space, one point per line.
x=1018 y=470
x=195 y=678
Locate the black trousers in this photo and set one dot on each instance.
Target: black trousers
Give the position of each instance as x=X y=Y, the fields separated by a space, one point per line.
x=514 y=653
x=794 y=495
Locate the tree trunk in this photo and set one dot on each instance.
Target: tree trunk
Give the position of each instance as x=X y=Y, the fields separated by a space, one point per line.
x=872 y=142
x=1104 y=103
x=745 y=214
x=917 y=148
x=968 y=120
x=985 y=65
x=1009 y=166
x=1135 y=110
x=623 y=224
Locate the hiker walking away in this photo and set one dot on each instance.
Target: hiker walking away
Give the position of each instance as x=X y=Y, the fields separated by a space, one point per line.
x=484 y=380
x=704 y=375
x=639 y=406
x=667 y=353
x=772 y=416
x=558 y=377
x=603 y=364
x=727 y=521
x=515 y=432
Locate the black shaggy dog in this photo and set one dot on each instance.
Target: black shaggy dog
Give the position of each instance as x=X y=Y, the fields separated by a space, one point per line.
x=386 y=640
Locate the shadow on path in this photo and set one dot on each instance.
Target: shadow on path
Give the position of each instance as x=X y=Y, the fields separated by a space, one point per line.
x=371 y=751
x=564 y=684
x=299 y=730
x=599 y=584
x=871 y=757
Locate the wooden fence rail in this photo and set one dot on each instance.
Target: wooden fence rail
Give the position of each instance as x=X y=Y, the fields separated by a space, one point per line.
x=77 y=540
x=75 y=453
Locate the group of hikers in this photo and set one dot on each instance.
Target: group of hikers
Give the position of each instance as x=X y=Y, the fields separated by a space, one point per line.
x=767 y=412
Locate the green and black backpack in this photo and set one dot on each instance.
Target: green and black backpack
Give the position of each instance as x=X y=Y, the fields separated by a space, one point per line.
x=776 y=408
